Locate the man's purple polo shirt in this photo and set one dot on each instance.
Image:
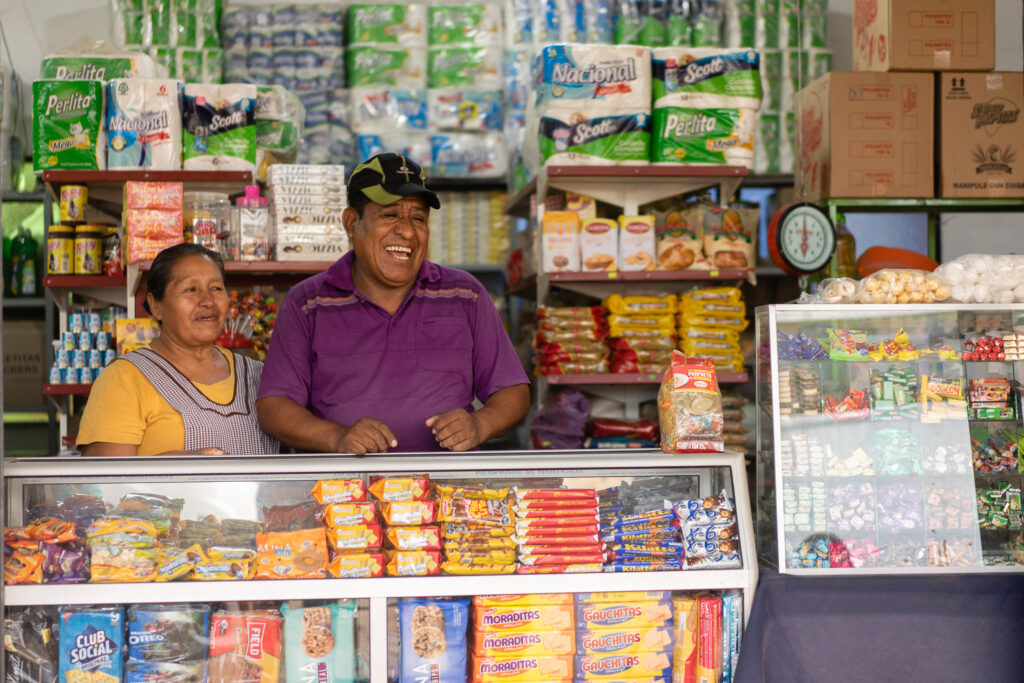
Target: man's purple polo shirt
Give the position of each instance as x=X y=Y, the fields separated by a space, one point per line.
x=345 y=358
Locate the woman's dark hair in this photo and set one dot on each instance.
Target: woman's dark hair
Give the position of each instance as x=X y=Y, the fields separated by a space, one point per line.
x=162 y=271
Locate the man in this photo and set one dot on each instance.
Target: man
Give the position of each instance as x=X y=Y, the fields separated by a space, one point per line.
x=385 y=350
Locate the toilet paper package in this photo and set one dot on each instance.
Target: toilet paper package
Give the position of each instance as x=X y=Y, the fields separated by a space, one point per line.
x=397 y=67
x=464 y=24
x=387 y=23
x=706 y=77
x=67 y=128
x=279 y=117
x=617 y=76
x=457 y=109
x=684 y=135
x=593 y=135
x=144 y=123
x=97 y=67
x=463 y=155
x=376 y=110
x=219 y=127
x=416 y=146
x=470 y=67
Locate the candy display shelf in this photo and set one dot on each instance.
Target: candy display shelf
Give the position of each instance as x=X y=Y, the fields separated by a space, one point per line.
x=633 y=378
x=234 y=486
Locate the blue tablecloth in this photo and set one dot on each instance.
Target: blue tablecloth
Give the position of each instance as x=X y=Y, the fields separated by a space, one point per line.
x=885 y=628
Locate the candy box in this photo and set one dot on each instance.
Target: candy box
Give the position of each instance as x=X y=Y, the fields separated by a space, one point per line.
x=433 y=639
x=168 y=633
x=245 y=646
x=319 y=641
x=90 y=644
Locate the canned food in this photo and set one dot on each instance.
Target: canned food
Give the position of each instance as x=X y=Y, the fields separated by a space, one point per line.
x=76 y=323
x=85 y=340
x=88 y=250
x=79 y=359
x=63 y=359
x=102 y=341
x=94 y=322
x=109 y=356
x=95 y=359
x=60 y=250
x=85 y=375
x=68 y=376
x=55 y=376
x=72 y=203
x=67 y=340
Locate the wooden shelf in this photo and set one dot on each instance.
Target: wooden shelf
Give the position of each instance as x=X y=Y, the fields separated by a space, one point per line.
x=66 y=389
x=634 y=378
x=79 y=281
x=262 y=267
x=652 y=275
x=24 y=302
x=181 y=175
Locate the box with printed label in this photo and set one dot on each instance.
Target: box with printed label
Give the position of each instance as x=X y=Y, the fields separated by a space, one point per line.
x=537 y=643
x=560 y=242
x=867 y=134
x=525 y=619
x=981 y=134
x=521 y=669
x=624 y=641
x=623 y=667
x=599 y=244
x=618 y=615
x=924 y=35
x=636 y=243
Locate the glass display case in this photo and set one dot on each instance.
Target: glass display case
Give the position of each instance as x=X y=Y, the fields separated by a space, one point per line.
x=889 y=437
x=205 y=509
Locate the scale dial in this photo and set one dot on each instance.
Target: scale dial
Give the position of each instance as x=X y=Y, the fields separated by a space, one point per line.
x=801 y=238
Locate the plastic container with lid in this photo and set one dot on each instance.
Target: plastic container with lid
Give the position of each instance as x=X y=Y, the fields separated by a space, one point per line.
x=251 y=238
x=88 y=249
x=60 y=250
x=206 y=220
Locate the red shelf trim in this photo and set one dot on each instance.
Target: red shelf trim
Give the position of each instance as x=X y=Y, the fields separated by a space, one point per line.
x=85 y=281
x=66 y=389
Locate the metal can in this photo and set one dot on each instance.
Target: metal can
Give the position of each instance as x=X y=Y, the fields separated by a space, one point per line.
x=73 y=199
x=88 y=250
x=84 y=341
x=55 y=377
x=102 y=341
x=85 y=375
x=79 y=359
x=109 y=356
x=94 y=322
x=63 y=358
x=68 y=376
x=95 y=359
x=67 y=340
x=76 y=323
x=60 y=250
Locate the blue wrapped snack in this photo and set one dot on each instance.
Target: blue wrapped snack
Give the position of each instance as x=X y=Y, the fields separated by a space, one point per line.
x=433 y=636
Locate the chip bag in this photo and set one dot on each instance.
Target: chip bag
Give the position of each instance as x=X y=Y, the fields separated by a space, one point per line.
x=690 y=407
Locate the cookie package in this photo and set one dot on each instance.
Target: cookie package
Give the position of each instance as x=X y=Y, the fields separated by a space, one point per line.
x=319 y=641
x=91 y=639
x=690 y=407
x=245 y=646
x=433 y=637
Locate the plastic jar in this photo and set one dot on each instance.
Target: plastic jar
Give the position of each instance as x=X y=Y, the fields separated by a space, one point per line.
x=206 y=220
x=60 y=250
x=88 y=250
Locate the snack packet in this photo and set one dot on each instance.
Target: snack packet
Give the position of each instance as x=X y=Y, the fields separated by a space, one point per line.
x=690 y=407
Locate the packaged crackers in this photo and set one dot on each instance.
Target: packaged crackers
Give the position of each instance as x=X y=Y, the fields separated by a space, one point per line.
x=433 y=639
x=319 y=641
x=245 y=646
x=90 y=644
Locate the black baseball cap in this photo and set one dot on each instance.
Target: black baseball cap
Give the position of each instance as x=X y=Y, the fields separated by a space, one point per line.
x=386 y=178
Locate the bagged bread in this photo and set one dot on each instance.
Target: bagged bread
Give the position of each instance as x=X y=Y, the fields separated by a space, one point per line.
x=690 y=407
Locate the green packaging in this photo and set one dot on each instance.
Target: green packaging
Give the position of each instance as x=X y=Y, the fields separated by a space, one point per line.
x=382 y=66
x=87 y=68
x=699 y=136
x=67 y=129
x=395 y=24
x=461 y=66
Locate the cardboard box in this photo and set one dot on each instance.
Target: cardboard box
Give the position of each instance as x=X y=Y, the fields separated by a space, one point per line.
x=866 y=134
x=924 y=35
x=24 y=363
x=981 y=134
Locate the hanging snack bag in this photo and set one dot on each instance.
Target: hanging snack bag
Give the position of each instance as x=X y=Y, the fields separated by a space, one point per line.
x=690 y=407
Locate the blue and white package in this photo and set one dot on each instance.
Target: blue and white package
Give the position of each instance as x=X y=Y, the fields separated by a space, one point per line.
x=433 y=639
x=456 y=109
x=91 y=639
x=143 y=118
x=616 y=76
x=461 y=155
x=168 y=633
x=164 y=672
x=377 y=110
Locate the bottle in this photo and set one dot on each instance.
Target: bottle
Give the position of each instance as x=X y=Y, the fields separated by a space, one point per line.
x=846 y=250
x=251 y=241
x=23 y=264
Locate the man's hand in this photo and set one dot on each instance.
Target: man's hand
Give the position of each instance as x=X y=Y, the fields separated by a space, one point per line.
x=366 y=435
x=457 y=430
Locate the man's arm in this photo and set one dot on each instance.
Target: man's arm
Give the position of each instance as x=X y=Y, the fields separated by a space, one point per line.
x=458 y=430
x=292 y=424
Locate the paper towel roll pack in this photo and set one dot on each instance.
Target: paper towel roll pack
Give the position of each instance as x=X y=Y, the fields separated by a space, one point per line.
x=571 y=137
x=459 y=155
x=219 y=127
x=394 y=23
x=617 y=76
x=98 y=67
x=706 y=77
x=144 y=123
x=377 y=110
x=67 y=126
x=467 y=24
x=456 y=109
x=398 y=67
x=471 y=67
x=279 y=118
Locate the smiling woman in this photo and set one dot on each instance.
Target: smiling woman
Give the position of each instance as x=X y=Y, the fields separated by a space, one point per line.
x=182 y=394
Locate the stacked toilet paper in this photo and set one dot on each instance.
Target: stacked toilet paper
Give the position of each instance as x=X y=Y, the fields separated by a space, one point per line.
x=219 y=127
x=705 y=106
x=594 y=104
x=67 y=126
x=144 y=123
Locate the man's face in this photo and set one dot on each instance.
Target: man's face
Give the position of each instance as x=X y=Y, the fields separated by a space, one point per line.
x=390 y=242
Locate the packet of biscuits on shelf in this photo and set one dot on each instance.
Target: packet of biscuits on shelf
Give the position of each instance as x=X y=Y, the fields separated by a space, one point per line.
x=396 y=489
x=644 y=305
x=412 y=562
x=245 y=646
x=292 y=554
x=339 y=491
x=690 y=407
x=432 y=633
x=348 y=514
x=356 y=565
x=426 y=537
x=319 y=639
x=355 y=538
x=409 y=512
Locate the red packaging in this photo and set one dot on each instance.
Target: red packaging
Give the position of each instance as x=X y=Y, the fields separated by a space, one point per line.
x=558 y=537
x=636 y=429
x=569 y=507
x=245 y=647
x=561 y=558
x=534 y=494
x=709 y=643
x=562 y=568
x=144 y=195
x=556 y=513
x=562 y=519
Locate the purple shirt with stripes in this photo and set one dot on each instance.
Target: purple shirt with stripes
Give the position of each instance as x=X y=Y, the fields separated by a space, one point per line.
x=343 y=357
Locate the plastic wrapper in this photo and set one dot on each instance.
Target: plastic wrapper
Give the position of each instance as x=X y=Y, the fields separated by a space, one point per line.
x=412 y=562
x=581 y=367
x=279 y=120
x=561 y=422
x=645 y=305
x=902 y=286
x=690 y=407
x=642 y=344
x=339 y=491
x=984 y=278
x=30 y=645
x=642 y=429
x=292 y=554
x=357 y=566
x=396 y=489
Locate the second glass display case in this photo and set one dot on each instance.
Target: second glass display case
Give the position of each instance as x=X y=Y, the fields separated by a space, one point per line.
x=889 y=437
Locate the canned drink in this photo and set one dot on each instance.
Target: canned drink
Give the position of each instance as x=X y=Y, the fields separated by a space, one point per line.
x=76 y=322
x=84 y=340
x=63 y=358
x=55 y=376
x=72 y=203
x=85 y=375
x=94 y=322
x=95 y=359
x=109 y=356
x=102 y=341
x=79 y=359
x=68 y=376
x=67 y=340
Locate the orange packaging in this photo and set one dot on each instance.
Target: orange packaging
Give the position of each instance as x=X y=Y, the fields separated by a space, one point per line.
x=394 y=489
x=522 y=599
x=291 y=554
x=348 y=514
x=413 y=562
x=409 y=512
x=540 y=643
x=339 y=491
x=524 y=618
x=144 y=195
x=245 y=646
x=522 y=669
x=150 y=231
x=414 y=537
x=684 y=657
x=356 y=538
x=356 y=565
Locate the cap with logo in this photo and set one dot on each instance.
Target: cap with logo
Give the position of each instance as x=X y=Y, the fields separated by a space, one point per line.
x=386 y=178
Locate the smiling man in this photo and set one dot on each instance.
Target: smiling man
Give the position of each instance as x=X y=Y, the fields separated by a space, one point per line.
x=386 y=350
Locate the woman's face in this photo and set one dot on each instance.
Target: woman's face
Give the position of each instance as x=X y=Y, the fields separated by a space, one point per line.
x=195 y=303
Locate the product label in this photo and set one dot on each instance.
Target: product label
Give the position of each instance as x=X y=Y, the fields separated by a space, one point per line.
x=87 y=68
x=729 y=75
x=67 y=128
x=564 y=78
x=224 y=132
x=702 y=136
x=617 y=138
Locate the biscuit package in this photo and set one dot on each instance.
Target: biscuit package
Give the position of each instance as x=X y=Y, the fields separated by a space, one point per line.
x=245 y=646
x=690 y=407
x=168 y=634
x=729 y=236
x=292 y=554
x=680 y=238
x=636 y=243
x=319 y=641
x=91 y=639
x=433 y=639
x=599 y=244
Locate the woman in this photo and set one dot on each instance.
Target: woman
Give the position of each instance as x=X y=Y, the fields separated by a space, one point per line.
x=182 y=394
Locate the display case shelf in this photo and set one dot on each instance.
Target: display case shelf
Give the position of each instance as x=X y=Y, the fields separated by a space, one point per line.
x=84 y=281
x=66 y=389
x=632 y=378
x=180 y=176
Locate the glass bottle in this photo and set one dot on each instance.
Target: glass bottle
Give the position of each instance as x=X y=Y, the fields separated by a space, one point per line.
x=846 y=250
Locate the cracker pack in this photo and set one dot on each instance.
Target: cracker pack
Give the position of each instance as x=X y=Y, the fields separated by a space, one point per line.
x=319 y=641
x=245 y=646
x=690 y=407
x=433 y=637
x=91 y=639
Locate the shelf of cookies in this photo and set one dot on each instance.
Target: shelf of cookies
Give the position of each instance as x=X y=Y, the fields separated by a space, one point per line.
x=890 y=438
